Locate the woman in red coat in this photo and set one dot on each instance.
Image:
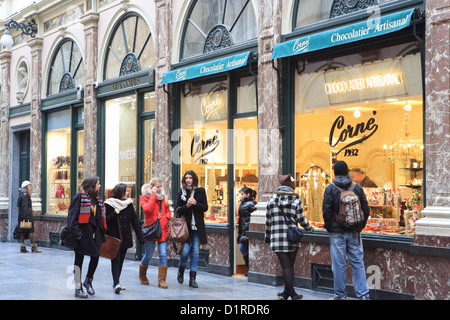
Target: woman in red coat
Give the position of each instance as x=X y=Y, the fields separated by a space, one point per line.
x=153 y=204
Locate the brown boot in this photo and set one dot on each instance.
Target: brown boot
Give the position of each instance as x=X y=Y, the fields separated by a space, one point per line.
x=162 y=274
x=23 y=248
x=34 y=248
x=143 y=274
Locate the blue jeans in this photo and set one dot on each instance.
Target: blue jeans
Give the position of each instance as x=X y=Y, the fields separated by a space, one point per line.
x=342 y=244
x=191 y=248
x=150 y=248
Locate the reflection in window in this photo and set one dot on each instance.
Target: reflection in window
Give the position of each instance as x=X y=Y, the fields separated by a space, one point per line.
x=120 y=144
x=66 y=70
x=217 y=24
x=130 y=49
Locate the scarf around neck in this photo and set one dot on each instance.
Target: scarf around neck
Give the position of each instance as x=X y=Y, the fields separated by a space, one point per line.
x=86 y=209
x=119 y=204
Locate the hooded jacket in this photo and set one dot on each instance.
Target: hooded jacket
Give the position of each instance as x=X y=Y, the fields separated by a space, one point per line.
x=330 y=206
x=283 y=201
x=245 y=210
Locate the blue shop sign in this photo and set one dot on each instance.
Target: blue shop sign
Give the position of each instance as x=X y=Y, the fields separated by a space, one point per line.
x=370 y=28
x=206 y=69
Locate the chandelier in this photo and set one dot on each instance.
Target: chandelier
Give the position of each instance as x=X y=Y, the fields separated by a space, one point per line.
x=407 y=147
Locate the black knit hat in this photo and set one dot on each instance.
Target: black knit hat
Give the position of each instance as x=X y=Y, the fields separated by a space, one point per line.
x=340 y=168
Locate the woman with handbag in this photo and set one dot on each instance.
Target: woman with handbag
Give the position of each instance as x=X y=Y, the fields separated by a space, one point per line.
x=87 y=221
x=284 y=209
x=26 y=220
x=192 y=204
x=247 y=206
x=155 y=207
x=120 y=217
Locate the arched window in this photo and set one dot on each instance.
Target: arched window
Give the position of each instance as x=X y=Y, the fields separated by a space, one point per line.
x=66 y=69
x=215 y=24
x=311 y=11
x=130 y=48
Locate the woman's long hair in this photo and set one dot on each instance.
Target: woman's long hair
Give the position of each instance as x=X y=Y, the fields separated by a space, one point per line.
x=194 y=180
x=119 y=191
x=89 y=185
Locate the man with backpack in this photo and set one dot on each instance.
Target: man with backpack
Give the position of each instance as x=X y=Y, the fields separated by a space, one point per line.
x=345 y=213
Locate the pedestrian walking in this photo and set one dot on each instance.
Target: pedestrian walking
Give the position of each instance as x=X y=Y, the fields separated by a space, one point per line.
x=155 y=206
x=343 y=240
x=87 y=221
x=284 y=209
x=25 y=218
x=192 y=204
x=247 y=206
x=120 y=217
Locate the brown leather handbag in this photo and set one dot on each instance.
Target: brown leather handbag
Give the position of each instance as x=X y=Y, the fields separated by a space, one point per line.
x=178 y=232
x=110 y=248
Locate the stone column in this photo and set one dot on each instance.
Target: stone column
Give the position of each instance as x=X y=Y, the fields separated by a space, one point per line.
x=269 y=139
x=90 y=22
x=5 y=103
x=162 y=149
x=35 y=45
x=434 y=229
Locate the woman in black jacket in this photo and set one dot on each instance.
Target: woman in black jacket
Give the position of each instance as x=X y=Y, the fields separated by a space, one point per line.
x=192 y=204
x=248 y=205
x=120 y=210
x=87 y=221
x=26 y=213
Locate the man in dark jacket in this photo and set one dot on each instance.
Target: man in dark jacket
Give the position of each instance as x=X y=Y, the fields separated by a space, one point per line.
x=344 y=241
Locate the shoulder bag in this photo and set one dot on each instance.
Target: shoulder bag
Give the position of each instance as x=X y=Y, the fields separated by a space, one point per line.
x=153 y=231
x=178 y=232
x=68 y=239
x=294 y=234
x=110 y=248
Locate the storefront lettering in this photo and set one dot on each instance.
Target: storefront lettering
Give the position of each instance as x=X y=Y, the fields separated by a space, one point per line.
x=208 y=107
x=300 y=45
x=371 y=82
x=125 y=84
x=202 y=148
x=351 y=132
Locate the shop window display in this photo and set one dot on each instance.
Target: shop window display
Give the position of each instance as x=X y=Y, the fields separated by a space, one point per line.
x=205 y=146
x=58 y=142
x=367 y=110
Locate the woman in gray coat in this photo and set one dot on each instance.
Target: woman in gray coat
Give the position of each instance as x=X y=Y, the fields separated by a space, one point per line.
x=26 y=214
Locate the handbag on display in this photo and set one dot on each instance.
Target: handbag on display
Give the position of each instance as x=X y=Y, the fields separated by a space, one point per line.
x=110 y=248
x=153 y=231
x=294 y=234
x=26 y=224
x=178 y=232
x=68 y=239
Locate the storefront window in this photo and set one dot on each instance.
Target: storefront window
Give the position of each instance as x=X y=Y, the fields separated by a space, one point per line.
x=204 y=123
x=58 y=142
x=213 y=25
x=149 y=142
x=311 y=11
x=130 y=49
x=367 y=110
x=120 y=144
x=67 y=70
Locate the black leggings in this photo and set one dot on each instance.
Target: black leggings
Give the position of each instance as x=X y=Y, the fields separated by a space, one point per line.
x=78 y=264
x=287 y=260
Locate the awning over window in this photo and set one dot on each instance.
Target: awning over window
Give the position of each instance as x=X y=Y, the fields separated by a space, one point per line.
x=370 y=28
x=206 y=69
